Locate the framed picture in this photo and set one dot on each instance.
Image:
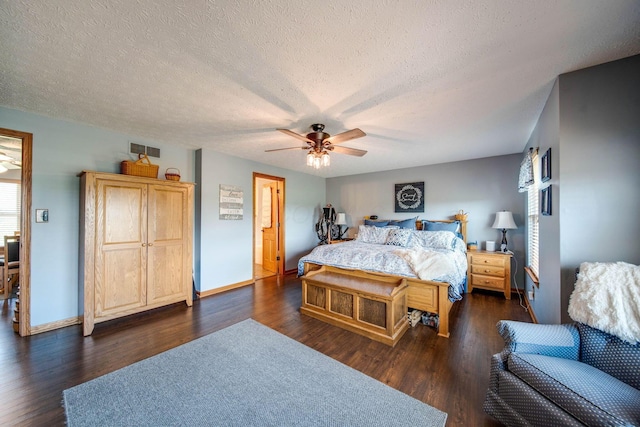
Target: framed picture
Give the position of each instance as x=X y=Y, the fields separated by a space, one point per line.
x=546 y=166
x=231 y=202
x=546 y=201
x=409 y=197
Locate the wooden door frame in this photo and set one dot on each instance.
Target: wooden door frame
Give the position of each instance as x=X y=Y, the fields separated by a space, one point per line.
x=25 y=228
x=280 y=220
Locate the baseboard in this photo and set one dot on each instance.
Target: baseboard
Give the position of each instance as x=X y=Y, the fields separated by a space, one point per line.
x=215 y=291
x=56 y=325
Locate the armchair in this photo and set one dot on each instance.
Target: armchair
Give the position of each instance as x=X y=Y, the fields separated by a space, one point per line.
x=563 y=375
x=10 y=264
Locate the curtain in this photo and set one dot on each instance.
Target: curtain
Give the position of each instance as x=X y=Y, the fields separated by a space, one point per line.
x=525 y=179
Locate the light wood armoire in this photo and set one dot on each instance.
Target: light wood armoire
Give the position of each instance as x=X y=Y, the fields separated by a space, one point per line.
x=137 y=238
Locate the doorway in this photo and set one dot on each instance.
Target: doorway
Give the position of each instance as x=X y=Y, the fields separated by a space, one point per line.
x=10 y=139
x=268 y=226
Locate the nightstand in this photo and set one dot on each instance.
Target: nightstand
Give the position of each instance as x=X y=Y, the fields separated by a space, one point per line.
x=489 y=270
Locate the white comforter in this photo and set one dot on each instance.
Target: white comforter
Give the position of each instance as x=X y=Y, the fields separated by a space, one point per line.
x=427 y=264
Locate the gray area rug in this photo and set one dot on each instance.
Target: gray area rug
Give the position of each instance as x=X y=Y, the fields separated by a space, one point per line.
x=243 y=375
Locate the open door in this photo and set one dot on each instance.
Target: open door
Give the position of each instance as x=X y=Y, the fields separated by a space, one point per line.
x=268 y=211
x=24 y=313
x=269 y=223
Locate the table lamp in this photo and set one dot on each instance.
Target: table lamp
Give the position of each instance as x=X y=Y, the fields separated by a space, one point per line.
x=504 y=220
x=341 y=219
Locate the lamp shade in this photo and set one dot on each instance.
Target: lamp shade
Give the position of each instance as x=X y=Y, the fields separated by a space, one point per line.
x=341 y=219
x=504 y=220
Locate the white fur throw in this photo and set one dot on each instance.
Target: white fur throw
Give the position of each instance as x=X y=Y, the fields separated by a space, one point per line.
x=607 y=297
x=428 y=265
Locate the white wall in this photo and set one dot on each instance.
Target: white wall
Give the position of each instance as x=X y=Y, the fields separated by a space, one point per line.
x=226 y=255
x=61 y=150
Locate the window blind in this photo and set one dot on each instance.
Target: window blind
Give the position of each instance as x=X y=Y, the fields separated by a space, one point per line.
x=9 y=208
x=533 y=207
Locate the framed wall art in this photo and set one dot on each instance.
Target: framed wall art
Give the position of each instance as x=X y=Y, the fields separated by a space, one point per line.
x=231 y=202
x=545 y=165
x=409 y=197
x=545 y=201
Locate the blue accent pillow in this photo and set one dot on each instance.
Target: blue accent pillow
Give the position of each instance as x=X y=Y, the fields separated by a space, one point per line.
x=440 y=226
x=454 y=226
x=376 y=223
x=405 y=223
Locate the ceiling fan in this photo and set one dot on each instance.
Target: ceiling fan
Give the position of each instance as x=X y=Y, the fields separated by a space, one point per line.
x=320 y=144
x=8 y=162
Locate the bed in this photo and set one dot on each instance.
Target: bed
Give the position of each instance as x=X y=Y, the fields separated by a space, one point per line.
x=430 y=256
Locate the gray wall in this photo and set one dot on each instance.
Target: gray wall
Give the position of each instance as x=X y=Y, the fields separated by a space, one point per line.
x=547 y=301
x=592 y=123
x=62 y=149
x=599 y=167
x=226 y=255
x=480 y=187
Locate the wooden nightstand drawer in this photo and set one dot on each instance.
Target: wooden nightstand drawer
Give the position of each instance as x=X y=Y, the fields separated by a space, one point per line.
x=478 y=281
x=489 y=270
x=486 y=259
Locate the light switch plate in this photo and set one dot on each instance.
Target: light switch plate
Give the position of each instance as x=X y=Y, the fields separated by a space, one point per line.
x=42 y=215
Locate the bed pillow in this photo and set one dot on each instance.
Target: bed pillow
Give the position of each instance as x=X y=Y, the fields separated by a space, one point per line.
x=373 y=234
x=376 y=223
x=433 y=239
x=399 y=237
x=405 y=223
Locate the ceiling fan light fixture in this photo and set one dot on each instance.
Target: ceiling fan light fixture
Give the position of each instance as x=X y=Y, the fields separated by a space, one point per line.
x=319 y=144
x=326 y=160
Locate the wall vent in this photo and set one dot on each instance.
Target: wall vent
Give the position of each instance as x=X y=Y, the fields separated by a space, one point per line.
x=137 y=148
x=153 y=152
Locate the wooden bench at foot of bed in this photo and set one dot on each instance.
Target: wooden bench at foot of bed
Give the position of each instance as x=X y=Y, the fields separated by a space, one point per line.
x=424 y=295
x=373 y=306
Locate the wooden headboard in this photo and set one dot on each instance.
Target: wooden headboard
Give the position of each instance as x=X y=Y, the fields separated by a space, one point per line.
x=463 y=218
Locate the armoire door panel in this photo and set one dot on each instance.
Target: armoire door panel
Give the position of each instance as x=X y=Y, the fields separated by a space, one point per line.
x=166 y=273
x=123 y=212
x=167 y=211
x=120 y=286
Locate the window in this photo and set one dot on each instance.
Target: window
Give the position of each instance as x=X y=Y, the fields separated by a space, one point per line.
x=533 y=205
x=10 y=196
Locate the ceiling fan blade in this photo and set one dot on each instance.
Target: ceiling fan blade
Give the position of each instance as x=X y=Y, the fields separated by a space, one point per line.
x=350 y=151
x=10 y=165
x=345 y=136
x=288 y=148
x=296 y=135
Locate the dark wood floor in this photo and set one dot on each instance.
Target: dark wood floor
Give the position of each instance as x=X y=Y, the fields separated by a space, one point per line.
x=449 y=374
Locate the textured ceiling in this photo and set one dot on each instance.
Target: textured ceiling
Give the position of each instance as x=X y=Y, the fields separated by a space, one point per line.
x=428 y=81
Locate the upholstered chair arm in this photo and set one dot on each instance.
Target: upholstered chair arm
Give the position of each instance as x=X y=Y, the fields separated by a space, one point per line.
x=549 y=340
